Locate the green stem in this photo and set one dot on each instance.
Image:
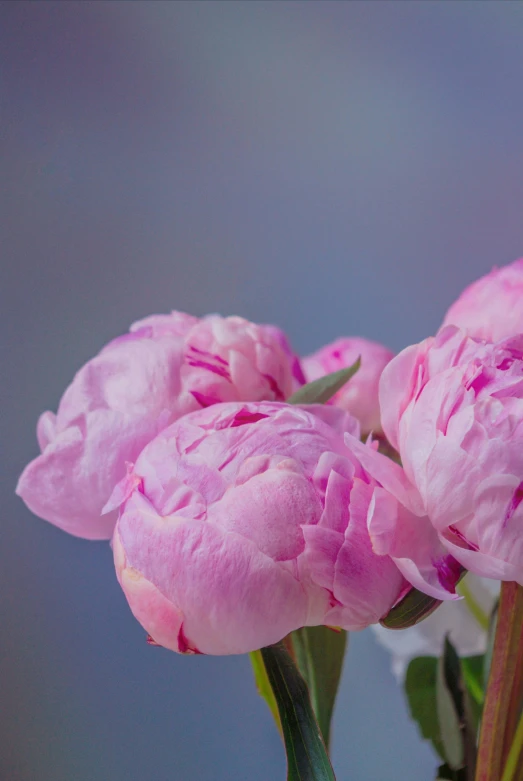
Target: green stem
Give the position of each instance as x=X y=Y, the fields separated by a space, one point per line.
x=473 y=605
x=474 y=688
x=512 y=766
x=504 y=690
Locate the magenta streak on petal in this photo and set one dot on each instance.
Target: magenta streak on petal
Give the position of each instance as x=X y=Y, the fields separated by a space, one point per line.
x=215 y=369
x=244 y=416
x=514 y=503
x=212 y=356
x=297 y=372
x=183 y=644
x=203 y=399
x=274 y=387
x=333 y=602
x=449 y=571
x=462 y=539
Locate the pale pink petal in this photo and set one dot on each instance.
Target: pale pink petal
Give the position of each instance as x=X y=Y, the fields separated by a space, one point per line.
x=49 y=487
x=413 y=545
x=336 y=418
x=483 y=564
x=389 y=474
x=158 y=615
x=490 y=308
x=397 y=383
x=234 y=598
x=46 y=429
x=283 y=501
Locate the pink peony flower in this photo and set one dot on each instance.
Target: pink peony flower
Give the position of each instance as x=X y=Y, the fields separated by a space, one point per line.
x=243 y=522
x=453 y=408
x=167 y=366
x=490 y=308
x=360 y=395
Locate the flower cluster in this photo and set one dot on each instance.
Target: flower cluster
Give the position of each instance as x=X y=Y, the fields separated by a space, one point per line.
x=237 y=517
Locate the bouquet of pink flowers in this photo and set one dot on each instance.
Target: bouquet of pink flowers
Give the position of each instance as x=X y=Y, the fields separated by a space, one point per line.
x=259 y=502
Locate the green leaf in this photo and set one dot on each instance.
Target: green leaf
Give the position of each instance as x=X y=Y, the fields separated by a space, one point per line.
x=413 y=608
x=440 y=705
x=450 y=706
x=472 y=670
x=321 y=390
x=307 y=758
x=319 y=653
x=420 y=688
x=263 y=686
x=473 y=605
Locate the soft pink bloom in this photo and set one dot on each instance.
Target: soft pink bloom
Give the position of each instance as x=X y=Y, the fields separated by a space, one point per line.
x=360 y=395
x=243 y=522
x=167 y=366
x=453 y=408
x=491 y=308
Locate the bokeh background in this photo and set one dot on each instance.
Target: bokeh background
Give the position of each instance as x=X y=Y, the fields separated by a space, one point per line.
x=334 y=167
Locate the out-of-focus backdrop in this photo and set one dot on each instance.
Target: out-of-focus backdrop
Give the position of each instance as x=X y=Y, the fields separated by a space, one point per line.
x=333 y=167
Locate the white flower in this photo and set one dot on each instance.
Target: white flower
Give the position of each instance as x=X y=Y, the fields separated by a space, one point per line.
x=465 y=621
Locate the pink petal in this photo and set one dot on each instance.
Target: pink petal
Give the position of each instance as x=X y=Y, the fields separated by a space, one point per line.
x=413 y=545
x=389 y=474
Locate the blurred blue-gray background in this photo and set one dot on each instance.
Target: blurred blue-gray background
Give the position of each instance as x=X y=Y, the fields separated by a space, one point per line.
x=334 y=167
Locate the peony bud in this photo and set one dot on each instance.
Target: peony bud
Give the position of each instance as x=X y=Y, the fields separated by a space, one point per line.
x=490 y=308
x=360 y=395
x=167 y=366
x=243 y=522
